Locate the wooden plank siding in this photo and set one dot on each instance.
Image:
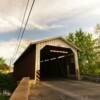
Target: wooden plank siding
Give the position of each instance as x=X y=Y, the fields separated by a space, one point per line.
x=26 y=65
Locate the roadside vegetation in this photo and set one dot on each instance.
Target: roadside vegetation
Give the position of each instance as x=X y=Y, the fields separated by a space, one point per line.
x=7 y=83
x=4 y=97
x=89 y=54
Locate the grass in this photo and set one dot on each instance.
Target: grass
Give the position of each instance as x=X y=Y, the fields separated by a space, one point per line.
x=2 y=97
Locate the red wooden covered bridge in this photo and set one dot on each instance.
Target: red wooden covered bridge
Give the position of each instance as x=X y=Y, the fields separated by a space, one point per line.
x=48 y=59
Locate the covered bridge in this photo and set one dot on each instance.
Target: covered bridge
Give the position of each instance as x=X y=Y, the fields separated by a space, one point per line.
x=48 y=59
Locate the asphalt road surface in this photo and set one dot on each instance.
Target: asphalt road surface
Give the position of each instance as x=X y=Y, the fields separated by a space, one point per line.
x=65 y=90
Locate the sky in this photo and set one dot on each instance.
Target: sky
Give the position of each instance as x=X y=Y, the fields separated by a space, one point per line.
x=49 y=18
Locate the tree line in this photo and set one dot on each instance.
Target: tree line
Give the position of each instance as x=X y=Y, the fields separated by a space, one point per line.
x=7 y=83
x=89 y=54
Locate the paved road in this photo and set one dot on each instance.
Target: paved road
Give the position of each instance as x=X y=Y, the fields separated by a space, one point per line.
x=65 y=90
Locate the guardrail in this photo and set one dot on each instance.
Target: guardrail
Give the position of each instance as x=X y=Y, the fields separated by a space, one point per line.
x=95 y=78
x=22 y=90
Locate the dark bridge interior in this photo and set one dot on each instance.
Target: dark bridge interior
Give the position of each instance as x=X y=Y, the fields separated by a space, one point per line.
x=56 y=63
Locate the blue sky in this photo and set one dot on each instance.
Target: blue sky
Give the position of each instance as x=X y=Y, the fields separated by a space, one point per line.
x=48 y=18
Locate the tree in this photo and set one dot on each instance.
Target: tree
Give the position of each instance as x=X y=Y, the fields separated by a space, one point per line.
x=2 y=61
x=86 y=55
x=7 y=82
x=3 y=65
x=97 y=29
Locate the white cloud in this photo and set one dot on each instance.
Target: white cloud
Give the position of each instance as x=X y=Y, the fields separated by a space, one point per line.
x=46 y=13
x=50 y=10
x=7 y=48
x=44 y=26
x=9 y=24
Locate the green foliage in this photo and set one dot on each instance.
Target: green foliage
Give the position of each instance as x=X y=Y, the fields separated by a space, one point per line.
x=97 y=29
x=7 y=82
x=3 y=65
x=2 y=97
x=6 y=79
x=86 y=55
x=2 y=61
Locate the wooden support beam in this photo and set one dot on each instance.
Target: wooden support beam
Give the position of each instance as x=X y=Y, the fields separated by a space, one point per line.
x=76 y=65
